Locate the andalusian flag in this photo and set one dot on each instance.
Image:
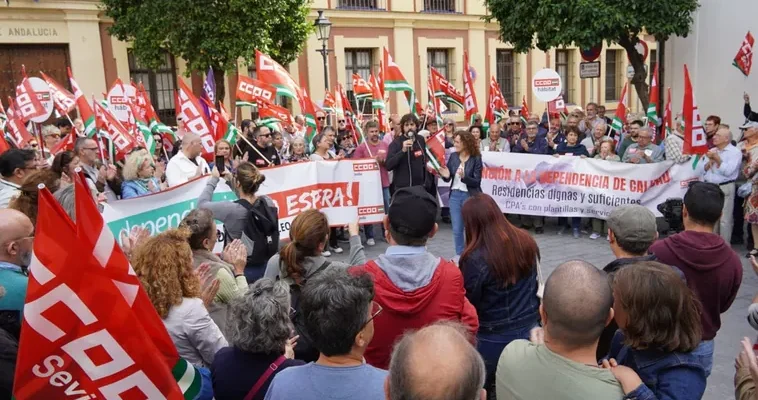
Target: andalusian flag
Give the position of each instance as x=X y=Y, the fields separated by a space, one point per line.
x=618 y=119
x=667 y=120
x=309 y=110
x=377 y=103
x=469 y=95
x=361 y=88
x=271 y=72
x=85 y=110
x=524 y=110
x=394 y=81
x=436 y=106
x=652 y=107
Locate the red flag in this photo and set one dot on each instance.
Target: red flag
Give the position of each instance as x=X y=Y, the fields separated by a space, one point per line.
x=309 y=110
x=194 y=120
x=557 y=106
x=64 y=101
x=268 y=110
x=524 y=109
x=361 y=88
x=349 y=115
x=4 y=146
x=67 y=144
x=744 y=58
x=329 y=102
x=695 y=141
x=75 y=320
x=667 y=118
x=468 y=90
x=444 y=88
x=27 y=103
x=435 y=150
x=378 y=103
x=19 y=135
x=85 y=110
x=123 y=142
x=252 y=90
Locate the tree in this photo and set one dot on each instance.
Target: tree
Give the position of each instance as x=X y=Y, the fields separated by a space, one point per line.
x=212 y=33
x=545 y=24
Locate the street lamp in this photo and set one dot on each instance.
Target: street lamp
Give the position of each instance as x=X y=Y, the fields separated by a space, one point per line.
x=323 y=30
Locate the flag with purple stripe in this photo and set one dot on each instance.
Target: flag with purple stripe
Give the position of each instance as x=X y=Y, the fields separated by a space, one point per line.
x=209 y=86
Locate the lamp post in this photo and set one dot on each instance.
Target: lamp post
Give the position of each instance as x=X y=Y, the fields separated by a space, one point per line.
x=323 y=30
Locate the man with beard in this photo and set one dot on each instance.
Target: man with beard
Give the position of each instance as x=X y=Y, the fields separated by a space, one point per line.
x=406 y=157
x=376 y=149
x=266 y=155
x=630 y=138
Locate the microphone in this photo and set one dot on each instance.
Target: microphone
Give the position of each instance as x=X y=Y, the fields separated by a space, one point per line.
x=410 y=134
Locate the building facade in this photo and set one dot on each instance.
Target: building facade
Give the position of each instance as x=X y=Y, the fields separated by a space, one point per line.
x=53 y=35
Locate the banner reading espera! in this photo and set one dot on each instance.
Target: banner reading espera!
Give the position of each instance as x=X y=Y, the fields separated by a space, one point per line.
x=339 y=189
x=575 y=187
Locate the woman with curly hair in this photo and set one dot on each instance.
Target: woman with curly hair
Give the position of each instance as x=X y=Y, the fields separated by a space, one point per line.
x=164 y=266
x=26 y=202
x=139 y=175
x=259 y=334
x=659 y=327
x=466 y=161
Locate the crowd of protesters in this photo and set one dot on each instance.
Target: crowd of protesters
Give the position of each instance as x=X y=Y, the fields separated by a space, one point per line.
x=263 y=322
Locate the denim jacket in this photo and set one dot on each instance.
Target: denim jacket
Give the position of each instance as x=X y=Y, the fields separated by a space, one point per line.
x=500 y=309
x=665 y=375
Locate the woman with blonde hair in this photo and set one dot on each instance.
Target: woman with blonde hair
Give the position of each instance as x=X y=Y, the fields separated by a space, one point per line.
x=229 y=270
x=164 y=266
x=253 y=219
x=139 y=175
x=224 y=149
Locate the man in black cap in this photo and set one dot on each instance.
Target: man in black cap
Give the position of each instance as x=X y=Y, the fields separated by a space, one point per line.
x=413 y=287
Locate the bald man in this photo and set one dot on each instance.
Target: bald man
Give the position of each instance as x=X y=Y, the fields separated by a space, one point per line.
x=436 y=363
x=576 y=306
x=16 y=238
x=187 y=164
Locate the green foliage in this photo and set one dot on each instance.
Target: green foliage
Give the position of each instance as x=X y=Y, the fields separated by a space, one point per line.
x=546 y=24
x=211 y=33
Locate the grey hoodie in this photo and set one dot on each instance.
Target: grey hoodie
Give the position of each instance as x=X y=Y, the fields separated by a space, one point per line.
x=310 y=264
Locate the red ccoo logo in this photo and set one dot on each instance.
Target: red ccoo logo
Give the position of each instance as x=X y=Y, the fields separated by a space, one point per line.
x=365 y=167
x=545 y=82
x=370 y=210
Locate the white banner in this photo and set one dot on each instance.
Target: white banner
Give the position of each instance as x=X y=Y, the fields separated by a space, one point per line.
x=340 y=189
x=574 y=187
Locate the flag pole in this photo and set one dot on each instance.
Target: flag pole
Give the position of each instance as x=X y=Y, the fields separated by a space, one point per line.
x=256 y=150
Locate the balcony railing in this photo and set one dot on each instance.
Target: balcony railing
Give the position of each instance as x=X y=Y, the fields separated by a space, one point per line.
x=379 y=5
x=443 y=6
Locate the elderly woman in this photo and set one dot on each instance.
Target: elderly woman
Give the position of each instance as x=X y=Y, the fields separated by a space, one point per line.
x=259 y=334
x=163 y=265
x=51 y=135
x=139 y=175
x=338 y=311
x=297 y=148
x=230 y=271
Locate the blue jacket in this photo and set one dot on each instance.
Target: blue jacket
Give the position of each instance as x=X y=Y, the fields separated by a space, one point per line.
x=133 y=188
x=472 y=172
x=538 y=146
x=500 y=309
x=666 y=375
x=575 y=150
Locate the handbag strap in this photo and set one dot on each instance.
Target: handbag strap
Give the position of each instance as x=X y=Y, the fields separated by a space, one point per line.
x=264 y=378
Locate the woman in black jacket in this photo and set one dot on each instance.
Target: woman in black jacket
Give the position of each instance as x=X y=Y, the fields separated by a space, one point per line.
x=467 y=179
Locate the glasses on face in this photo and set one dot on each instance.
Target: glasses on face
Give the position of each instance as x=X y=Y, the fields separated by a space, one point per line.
x=640 y=137
x=264 y=135
x=514 y=123
x=376 y=309
x=341 y=121
x=321 y=118
x=33 y=145
x=450 y=124
x=89 y=148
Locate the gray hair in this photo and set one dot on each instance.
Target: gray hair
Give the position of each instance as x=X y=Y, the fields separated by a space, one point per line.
x=80 y=143
x=532 y=124
x=66 y=197
x=133 y=164
x=49 y=130
x=334 y=305
x=645 y=129
x=412 y=376
x=258 y=321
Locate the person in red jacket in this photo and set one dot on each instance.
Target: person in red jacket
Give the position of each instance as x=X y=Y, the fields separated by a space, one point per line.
x=711 y=268
x=414 y=287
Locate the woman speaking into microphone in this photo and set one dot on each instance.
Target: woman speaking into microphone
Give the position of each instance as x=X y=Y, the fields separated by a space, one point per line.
x=406 y=157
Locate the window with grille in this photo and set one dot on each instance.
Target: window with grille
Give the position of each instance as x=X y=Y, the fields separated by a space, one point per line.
x=612 y=65
x=505 y=71
x=159 y=84
x=563 y=67
x=442 y=6
x=439 y=59
x=357 y=61
x=360 y=4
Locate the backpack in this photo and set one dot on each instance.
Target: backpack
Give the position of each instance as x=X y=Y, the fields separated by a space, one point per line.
x=304 y=350
x=262 y=228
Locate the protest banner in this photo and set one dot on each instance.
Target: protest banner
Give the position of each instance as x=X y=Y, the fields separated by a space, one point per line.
x=340 y=189
x=575 y=187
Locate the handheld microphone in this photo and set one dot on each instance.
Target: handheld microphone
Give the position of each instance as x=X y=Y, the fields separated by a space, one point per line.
x=410 y=134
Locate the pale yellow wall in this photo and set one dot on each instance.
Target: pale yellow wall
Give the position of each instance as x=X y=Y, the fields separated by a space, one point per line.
x=402 y=5
x=455 y=72
x=315 y=70
x=404 y=58
x=520 y=71
x=477 y=60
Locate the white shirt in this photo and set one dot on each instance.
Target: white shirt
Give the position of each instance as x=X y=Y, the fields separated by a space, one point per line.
x=457 y=183
x=731 y=159
x=8 y=190
x=590 y=142
x=181 y=169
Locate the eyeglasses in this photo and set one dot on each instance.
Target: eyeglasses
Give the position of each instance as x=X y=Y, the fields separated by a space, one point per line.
x=33 y=145
x=341 y=121
x=90 y=148
x=514 y=123
x=376 y=309
x=321 y=118
x=450 y=124
x=262 y=135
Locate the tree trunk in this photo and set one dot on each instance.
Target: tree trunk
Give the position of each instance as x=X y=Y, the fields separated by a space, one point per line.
x=219 y=76
x=640 y=75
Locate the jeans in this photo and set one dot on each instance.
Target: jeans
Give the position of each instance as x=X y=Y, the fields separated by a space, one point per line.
x=369 y=229
x=254 y=272
x=490 y=346
x=704 y=352
x=457 y=198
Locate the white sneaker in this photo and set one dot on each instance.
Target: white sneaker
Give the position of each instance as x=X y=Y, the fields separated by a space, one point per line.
x=337 y=250
x=370 y=242
x=326 y=253
x=595 y=236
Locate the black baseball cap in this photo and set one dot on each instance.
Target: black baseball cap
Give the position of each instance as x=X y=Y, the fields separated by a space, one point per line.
x=413 y=212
